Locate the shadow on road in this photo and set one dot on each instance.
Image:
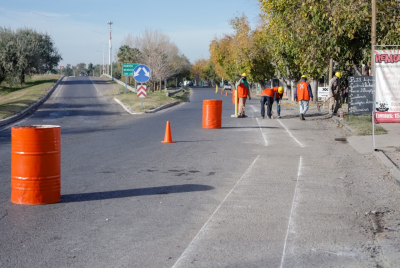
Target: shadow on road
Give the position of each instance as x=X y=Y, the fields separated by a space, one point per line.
x=172 y=189
x=248 y=127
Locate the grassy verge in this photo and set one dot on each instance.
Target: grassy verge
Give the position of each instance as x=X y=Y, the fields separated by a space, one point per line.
x=17 y=98
x=152 y=101
x=362 y=125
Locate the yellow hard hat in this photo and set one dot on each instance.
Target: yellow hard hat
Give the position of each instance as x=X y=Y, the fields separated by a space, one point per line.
x=244 y=74
x=338 y=74
x=280 y=90
x=303 y=76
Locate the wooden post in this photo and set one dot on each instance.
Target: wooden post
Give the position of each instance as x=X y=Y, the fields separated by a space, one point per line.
x=373 y=34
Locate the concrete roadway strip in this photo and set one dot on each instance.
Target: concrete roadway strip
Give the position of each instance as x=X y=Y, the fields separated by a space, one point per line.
x=291 y=211
x=264 y=136
x=288 y=131
x=216 y=210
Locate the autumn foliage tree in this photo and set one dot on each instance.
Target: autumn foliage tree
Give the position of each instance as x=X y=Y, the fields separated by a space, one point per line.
x=243 y=51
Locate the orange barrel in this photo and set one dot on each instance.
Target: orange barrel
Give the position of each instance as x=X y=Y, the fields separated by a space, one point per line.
x=35 y=164
x=233 y=95
x=212 y=113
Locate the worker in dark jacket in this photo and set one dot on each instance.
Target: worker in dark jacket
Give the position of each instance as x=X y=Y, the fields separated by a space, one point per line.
x=268 y=96
x=303 y=95
x=278 y=99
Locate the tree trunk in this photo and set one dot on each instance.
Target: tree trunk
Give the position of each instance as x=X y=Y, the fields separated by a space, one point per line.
x=314 y=89
x=293 y=88
x=356 y=68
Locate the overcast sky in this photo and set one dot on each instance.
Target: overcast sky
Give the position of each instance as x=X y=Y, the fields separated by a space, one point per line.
x=191 y=24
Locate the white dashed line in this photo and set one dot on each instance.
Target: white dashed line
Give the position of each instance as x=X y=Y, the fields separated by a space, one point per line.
x=202 y=228
x=291 y=211
x=287 y=130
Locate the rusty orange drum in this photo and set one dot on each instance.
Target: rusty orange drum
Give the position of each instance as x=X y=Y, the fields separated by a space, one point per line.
x=35 y=164
x=212 y=113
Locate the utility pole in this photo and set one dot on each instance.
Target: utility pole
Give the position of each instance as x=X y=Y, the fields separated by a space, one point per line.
x=330 y=70
x=109 y=50
x=373 y=34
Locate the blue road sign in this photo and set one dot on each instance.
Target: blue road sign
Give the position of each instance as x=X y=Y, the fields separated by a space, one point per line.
x=141 y=73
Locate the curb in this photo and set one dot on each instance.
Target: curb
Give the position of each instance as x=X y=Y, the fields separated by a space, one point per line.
x=126 y=108
x=32 y=107
x=174 y=92
x=345 y=127
x=386 y=162
x=163 y=107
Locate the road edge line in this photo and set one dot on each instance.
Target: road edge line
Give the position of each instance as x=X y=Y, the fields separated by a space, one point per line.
x=216 y=210
x=287 y=130
x=291 y=211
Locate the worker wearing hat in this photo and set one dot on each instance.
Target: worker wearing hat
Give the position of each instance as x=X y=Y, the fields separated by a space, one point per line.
x=335 y=93
x=268 y=96
x=243 y=93
x=278 y=98
x=303 y=95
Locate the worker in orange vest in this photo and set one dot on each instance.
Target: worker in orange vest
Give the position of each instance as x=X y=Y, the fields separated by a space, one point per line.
x=243 y=93
x=303 y=95
x=268 y=96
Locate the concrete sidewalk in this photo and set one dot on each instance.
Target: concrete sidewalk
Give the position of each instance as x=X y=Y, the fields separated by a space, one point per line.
x=363 y=144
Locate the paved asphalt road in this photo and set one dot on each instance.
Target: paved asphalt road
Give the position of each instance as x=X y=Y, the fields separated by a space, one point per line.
x=256 y=193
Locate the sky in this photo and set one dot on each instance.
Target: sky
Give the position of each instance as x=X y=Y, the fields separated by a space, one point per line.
x=79 y=28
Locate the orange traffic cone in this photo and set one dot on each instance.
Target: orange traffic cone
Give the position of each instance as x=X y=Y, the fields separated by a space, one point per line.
x=226 y=93
x=168 y=136
x=222 y=92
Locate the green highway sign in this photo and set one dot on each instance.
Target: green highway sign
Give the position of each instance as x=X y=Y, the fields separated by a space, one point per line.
x=127 y=69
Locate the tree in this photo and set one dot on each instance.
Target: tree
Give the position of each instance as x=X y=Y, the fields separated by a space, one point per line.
x=26 y=52
x=159 y=54
x=81 y=68
x=127 y=54
x=244 y=51
x=68 y=70
x=90 y=68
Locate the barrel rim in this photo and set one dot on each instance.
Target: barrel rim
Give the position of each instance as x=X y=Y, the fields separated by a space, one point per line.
x=36 y=127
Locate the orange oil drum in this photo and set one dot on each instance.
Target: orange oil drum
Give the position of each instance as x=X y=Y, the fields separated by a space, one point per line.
x=212 y=113
x=35 y=164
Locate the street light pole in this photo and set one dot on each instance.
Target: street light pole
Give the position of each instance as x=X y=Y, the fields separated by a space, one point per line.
x=44 y=16
x=109 y=50
x=103 y=47
x=373 y=34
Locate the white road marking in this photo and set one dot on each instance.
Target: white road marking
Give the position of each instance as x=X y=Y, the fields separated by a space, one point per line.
x=254 y=108
x=287 y=130
x=94 y=85
x=291 y=211
x=61 y=86
x=264 y=136
x=202 y=228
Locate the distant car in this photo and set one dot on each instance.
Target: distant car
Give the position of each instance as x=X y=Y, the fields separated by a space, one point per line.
x=205 y=84
x=227 y=86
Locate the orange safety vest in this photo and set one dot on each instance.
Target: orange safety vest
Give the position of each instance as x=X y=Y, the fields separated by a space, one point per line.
x=302 y=91
x=242 y=91
x=268 y=92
